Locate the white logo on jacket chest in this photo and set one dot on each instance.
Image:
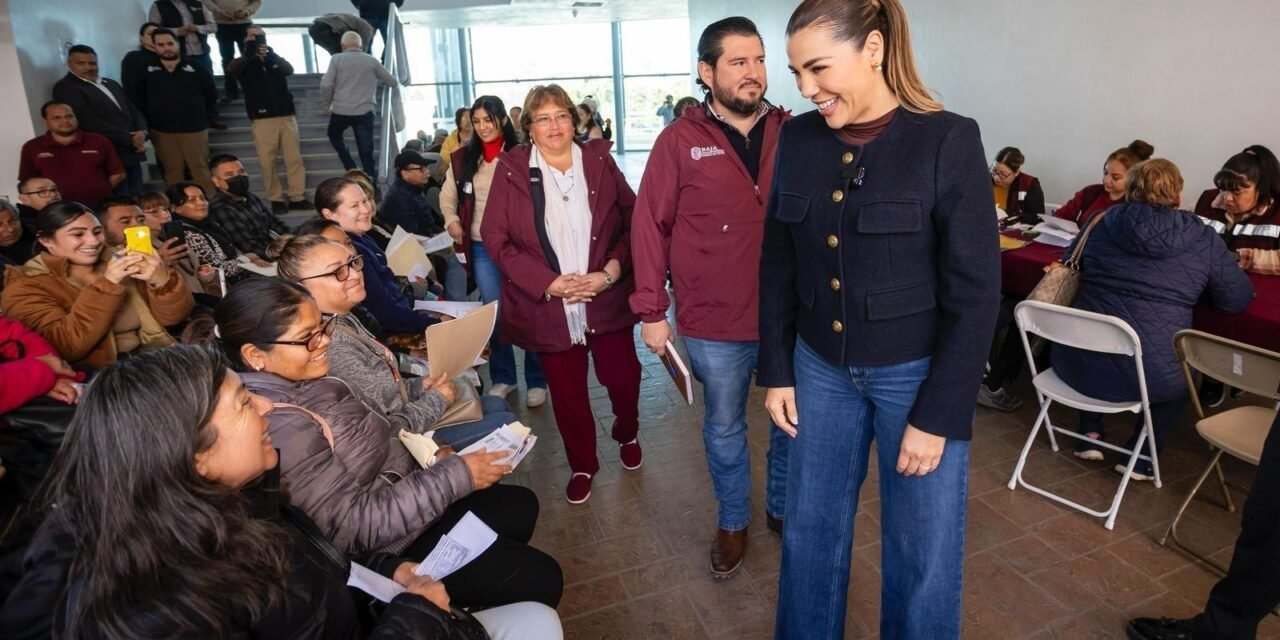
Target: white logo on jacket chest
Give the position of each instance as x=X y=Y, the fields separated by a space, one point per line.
x=698 y=153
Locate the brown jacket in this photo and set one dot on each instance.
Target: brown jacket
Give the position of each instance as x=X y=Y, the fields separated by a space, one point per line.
x=78 y=321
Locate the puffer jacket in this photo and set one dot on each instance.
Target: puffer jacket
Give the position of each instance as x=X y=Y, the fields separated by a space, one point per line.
x=315 y=603
x=1149 y=265
x=357 y=357
x=365 y=491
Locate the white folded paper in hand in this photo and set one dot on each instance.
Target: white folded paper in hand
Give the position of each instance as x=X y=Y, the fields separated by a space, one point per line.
x=515 y=439
x=436 y=243
x=404 y=253
x=464 y=543
x=245 y=263
x=446 y=307
x=373 y=583
x=422 y=446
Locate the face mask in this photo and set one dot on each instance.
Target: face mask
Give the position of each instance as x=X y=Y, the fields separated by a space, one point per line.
x=238 y=186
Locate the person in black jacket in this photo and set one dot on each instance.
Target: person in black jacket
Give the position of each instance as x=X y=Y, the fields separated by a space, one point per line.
x=177 y=97
x=264 y=78
x=166 y=518
x=376 y=13
x=879 y=286
x=134 y=64
x=102 y=107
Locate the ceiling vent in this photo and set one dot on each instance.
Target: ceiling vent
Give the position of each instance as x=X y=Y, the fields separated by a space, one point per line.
x=586 y=5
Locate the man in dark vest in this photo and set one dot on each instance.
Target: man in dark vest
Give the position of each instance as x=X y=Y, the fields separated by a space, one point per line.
x=192 y=22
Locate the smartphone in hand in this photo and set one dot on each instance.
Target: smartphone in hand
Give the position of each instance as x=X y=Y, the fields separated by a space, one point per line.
x=139 y=239
x=173 y=229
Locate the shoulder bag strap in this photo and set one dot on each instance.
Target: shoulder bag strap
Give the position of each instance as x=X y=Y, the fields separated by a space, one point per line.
x=324 y=424
x=539 y=195
x=1073 y=260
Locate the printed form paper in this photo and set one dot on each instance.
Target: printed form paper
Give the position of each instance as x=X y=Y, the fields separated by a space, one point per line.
x=464 y=543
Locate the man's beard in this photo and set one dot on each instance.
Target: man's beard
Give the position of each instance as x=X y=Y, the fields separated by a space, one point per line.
x=169 y=57
x=727 y=99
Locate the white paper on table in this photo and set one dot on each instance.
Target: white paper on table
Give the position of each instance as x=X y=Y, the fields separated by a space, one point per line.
x=1001 y=214
x=1062 y=224
x=1053 y=240
x=373 y=583
x=447 y=307
x=464 y=543
x=245 y=263
x=436 y=243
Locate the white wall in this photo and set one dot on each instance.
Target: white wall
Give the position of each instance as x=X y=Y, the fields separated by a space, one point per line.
x=42 y=30
x=13 y=109
x=1069 y=81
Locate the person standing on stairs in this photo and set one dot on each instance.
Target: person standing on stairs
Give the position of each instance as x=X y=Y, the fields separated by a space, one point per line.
x=348 y=93
x=176 y=98
x=376 y=13
x=264 y=77
x=193 y=22
x=234 y=18
x=101 y=107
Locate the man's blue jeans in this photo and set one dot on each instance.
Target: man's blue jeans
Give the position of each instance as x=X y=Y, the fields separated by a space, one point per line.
x=841 y=411
x=362 y=126
x=725 y=370
x=502 y=357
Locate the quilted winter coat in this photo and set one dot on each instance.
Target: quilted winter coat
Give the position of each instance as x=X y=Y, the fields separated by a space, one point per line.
x=1149 y=265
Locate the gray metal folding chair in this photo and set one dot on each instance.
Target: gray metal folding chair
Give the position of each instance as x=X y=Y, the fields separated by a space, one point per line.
x=1241 y=431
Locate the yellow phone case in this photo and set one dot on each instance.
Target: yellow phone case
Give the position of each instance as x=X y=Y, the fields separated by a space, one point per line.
x=139 y=239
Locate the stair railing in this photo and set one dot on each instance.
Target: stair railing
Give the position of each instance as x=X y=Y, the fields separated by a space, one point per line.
x=395 y=58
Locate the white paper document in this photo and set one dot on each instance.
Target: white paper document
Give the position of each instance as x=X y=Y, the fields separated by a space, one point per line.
x=374 y=583
x=420 y=272
x=515 y=439
x=448 y=308
x=464 y=543
x=404 y=253
x=439 y=242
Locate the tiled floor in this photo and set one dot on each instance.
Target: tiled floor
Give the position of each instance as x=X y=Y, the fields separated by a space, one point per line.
x=635 y=555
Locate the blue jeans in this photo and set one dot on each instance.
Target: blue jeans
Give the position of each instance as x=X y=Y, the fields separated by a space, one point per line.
x=725 y=370
x=502 y=357
x=455 y=279
x=362 y=126
x=841 y=411
x=460 y=436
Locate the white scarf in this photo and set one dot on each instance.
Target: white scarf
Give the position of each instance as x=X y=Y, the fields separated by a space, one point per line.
x=568 y=220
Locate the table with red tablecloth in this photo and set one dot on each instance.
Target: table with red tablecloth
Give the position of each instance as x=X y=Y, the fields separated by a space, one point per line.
x=1259 y=325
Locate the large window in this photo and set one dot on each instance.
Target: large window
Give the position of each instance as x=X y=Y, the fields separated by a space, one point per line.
x=435 y=65
x=655 y=64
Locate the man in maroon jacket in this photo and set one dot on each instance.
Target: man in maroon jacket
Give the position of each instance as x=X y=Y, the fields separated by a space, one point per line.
x=84 y=165
x=700 y=215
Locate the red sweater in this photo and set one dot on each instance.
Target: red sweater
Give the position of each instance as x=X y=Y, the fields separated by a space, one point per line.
x=700 y=215
x=82 y=169
x=22 y=377
x=1085 y=203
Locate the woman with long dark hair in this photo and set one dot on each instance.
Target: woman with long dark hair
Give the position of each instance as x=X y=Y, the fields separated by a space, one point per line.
x=346 y=468
x=858 y=344
x=462 y=200
x=166 y=518
x=209 y=242
x=92 y=305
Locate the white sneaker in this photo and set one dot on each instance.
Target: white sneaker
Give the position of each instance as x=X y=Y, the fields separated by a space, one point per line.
x=501 y=390
x=536 y=397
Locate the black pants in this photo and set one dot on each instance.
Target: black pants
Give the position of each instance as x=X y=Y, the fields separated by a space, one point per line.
x=230 y=37
x=510 y=570
x=362 y=126
x=1165 y=416
x=1251 y=588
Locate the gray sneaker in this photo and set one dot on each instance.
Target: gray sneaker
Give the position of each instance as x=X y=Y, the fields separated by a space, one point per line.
x=1000 y=400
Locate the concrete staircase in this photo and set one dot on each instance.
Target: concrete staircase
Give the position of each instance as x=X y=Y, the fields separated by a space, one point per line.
x=318 y=156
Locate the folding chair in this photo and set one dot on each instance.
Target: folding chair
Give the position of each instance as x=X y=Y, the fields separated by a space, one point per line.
x=1241 y=431
x=1091 y=332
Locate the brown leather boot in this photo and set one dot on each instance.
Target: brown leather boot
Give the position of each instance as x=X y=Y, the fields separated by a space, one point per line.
x=727 y=552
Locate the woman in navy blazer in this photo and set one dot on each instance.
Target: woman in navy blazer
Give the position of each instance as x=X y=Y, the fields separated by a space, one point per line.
x=879 y=288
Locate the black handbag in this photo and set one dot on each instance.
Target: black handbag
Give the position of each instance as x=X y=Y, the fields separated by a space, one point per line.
x=30 y=437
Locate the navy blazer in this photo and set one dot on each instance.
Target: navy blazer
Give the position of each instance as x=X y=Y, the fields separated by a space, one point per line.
x=881 y=254
x=115 y=121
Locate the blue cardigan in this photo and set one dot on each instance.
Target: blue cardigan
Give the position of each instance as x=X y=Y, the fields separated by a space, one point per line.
x=882 y=254
x=1149 y=265
x=382 y=293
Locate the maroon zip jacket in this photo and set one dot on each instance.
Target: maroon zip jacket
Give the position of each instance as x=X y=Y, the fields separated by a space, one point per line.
x=515 y=242
x=701 y=216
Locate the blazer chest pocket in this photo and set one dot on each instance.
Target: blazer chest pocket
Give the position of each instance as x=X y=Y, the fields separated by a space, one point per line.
x=900 y=302
x=890 y=216
x=792 y=208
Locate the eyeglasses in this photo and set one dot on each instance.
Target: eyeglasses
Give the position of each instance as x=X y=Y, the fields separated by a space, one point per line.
x=342 y=272
x=999 y=175
x=313 y=341
x=414 y=168
x=545 y=121
x=44 y=193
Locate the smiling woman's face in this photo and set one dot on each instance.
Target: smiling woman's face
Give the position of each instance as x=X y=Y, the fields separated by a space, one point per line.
x=353 y=213
x=832 y=74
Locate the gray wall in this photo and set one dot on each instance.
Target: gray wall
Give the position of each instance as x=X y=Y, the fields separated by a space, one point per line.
x=1069 y=81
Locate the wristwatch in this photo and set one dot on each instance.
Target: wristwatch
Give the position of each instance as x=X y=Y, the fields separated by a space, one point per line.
x=608 y=279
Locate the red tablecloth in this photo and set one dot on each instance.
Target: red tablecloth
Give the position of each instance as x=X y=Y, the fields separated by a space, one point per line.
x=1259 y=325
